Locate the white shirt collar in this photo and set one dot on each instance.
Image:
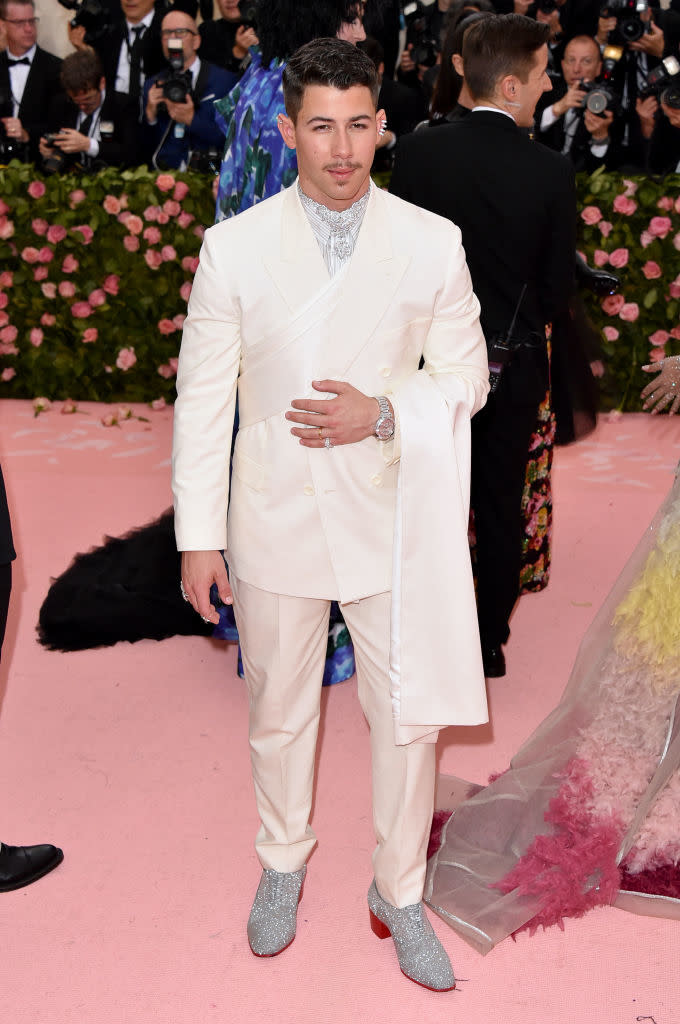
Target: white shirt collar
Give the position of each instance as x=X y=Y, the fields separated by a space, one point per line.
x=30 y=54
x=146 y=22
x=494 y=110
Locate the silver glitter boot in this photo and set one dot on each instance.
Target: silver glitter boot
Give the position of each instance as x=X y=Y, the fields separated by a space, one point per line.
x=272 y=921
x=421 y=955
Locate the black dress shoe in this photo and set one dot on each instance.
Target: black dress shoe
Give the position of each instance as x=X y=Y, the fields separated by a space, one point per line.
x=494 y=662
x=21 y=865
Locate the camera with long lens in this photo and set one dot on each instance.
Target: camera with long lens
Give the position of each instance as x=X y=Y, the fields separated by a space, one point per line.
x=248 y=16
x=664 y=82
x=629 y=24
x=176 y=85
x=206 y=161
x=93 y=15
x=600 y=95
x=424 y=47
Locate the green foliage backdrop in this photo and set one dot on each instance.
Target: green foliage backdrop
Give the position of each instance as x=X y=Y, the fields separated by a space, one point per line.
x=95 y=274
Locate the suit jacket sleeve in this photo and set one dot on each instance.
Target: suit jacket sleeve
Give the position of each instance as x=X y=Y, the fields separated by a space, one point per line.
x=556 y=284
x=204 y=410
x=204 y=128
x=7 y=553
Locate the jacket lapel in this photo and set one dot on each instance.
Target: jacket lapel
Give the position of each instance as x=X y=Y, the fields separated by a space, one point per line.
x=297 y=269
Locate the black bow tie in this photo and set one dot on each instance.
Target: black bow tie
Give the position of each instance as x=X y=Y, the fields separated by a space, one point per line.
x=19 y=60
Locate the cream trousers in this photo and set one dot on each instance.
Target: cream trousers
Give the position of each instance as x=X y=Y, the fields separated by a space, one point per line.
x=283 y=642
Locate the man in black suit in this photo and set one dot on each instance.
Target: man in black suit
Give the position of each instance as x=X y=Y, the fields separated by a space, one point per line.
x=29 y=79
x=19 y=865
x=94 y=126
x=514 y=202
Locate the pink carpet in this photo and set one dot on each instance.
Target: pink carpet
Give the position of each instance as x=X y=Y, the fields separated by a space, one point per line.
x=134 y=759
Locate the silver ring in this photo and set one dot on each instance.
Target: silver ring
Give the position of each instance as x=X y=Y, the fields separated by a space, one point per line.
x=328 y=444
x=184 y=593
x=204 y=618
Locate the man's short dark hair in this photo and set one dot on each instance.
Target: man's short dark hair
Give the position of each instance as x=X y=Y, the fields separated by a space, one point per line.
x=330 y=62
x=5 y=3
x=81 y=71
x=500 y=45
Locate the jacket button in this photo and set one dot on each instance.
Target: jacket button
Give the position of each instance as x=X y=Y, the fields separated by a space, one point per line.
x=376 y=480
x=386 y=371
x=308 y=489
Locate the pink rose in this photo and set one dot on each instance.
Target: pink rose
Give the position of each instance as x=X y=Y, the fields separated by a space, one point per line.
x=86 y=231
x=81 y=310
x=630 y=311
x=123 y=200
x=185 y=219
x=151 y=213
x=6 y=228
x=674 y=289
x=646 y=239
x=190 y=264
x=651 y=270
x=8 y=349
x=659 y=337
x=69 y=265
x=134 y=224
x=168 y=253
x=39 y=225
x=610 y=333
x=591 y=214
x=48 y=319
x=126 y=357
x=49 y=290
x=178 y=321
x=619 y=258
x=605 y=227
x=112 y=205
x=173 y=363
x=8 y=373
x=665 y=203
x=36 y=189
x=600 y=258
x=166 y=326
x=40 y=273
x=656 y=355
x=109 y=420
x=676 y=241
x=612 y=304
x=97 y=297
x=56 y=233
x=69 y=407
x=165 y=371
x=153 y=259
x=67 y=289
x=8 y=334
x=622 y=204
x=181 y=190
x=675 y=333
x=164 y=182
x=158 y=404
x=45 y=255
x=36 y=337
x=4 y=300
x=152 y=235
x=631 y=187
x=171 y=207
x=6 y=279
x=76 y=197
x=185 y=290
x=660 y=226
x=162 y=217
x=30 y=255
x=199 y=231
x=131 y=243
x=90 y=334
x=4 y=318
x=110 y=285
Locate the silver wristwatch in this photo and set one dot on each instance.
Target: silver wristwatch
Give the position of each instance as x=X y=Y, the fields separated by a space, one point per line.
x=384 y=427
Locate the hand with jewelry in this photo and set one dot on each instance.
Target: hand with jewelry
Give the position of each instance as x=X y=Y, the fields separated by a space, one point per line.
x=328 y=422
x=14 y=128
x=200 y=569
x=665 y=388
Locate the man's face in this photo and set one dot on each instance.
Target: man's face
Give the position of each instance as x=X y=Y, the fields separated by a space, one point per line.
x=581 y=61
x=229 y=9
x=335 y=137
x=88 y=100
x=178 y=25
x=135 y=10
x=21 y=28
x=528 y=92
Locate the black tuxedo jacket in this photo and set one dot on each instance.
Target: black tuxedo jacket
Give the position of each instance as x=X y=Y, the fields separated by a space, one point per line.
x=42 y=85
x=7 y=553
x=109 y=46
x=514 y=202
x=123 y=149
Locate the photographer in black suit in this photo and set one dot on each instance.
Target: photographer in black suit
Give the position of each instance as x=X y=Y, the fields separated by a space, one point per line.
x=19 y=865
x=91 y=126
x=29 y=79
x=514 y=202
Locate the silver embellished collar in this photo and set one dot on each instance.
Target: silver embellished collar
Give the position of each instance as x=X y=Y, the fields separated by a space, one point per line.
x=336 y=231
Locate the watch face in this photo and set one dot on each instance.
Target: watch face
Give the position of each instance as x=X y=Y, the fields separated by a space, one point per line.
x=385 y=428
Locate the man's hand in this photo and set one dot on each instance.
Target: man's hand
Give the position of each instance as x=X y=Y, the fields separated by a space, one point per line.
x=652 y=42
x=522 y=6
x=406 y=63
x=572 y=99
x=15 y=129
x=182 y=112
x=598 y=124
x=153 y=99
x=200 y=569
x=672 y=114
x=71 y=141
x=349 y=418
x=645 y=110
x=77 y=36
x=245 y=38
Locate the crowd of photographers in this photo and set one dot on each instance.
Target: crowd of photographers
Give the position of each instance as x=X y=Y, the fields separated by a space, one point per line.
x=140 y=84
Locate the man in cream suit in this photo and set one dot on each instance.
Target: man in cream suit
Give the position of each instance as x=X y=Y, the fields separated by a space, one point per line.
x=350 y=482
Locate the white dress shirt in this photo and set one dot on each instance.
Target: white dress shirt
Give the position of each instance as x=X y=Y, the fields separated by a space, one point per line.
x=18 y=76
x=123 y=72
